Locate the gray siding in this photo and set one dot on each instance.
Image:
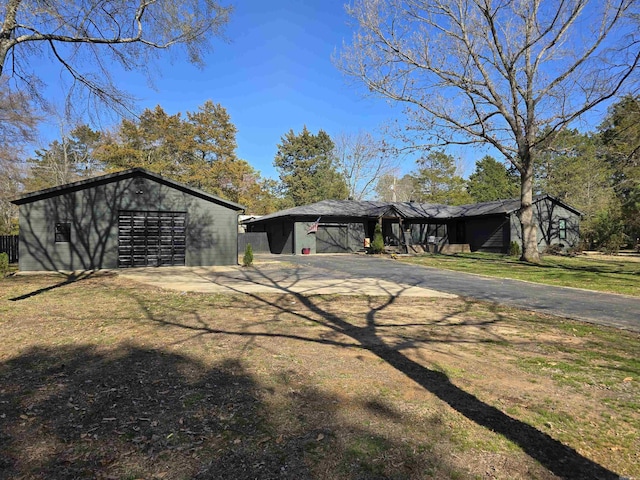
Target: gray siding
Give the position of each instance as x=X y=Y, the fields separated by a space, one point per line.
x=549 y=215
x=339 y=235
x=92 y=213
x=279 y=233
x=259 y=242
x=488 y=234
x=304 y=239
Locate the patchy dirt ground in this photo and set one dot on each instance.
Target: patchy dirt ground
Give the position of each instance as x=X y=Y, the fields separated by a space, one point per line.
x=107 y=378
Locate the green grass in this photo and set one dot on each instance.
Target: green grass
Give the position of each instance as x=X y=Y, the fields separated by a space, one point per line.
x=106 y=378
x=618 y=276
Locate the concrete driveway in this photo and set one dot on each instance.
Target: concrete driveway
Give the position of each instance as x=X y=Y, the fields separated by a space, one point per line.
x=274 y=276
x=346 y=274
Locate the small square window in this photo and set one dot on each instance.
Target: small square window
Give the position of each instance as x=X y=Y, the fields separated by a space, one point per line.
x=562 y=229
x=63 y=232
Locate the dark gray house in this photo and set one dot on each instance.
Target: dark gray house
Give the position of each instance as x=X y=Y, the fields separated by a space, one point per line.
x=345 y=225
x=131 y=218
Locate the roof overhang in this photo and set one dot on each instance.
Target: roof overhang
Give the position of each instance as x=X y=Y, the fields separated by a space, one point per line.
x=113 y=177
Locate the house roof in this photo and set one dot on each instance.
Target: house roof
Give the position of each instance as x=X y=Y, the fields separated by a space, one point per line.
x=408 y=210
x=113 y=177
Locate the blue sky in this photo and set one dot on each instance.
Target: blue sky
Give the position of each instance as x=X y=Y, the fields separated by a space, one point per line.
x=274 y=74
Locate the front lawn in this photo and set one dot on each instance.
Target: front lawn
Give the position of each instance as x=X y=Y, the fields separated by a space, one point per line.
x=105 y=378
x=615 y=276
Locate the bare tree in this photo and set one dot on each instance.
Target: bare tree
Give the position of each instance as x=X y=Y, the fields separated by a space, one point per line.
x=391 y=188
x=506 y=73
x=17 y=128
x=84 y=36
x=362 y=160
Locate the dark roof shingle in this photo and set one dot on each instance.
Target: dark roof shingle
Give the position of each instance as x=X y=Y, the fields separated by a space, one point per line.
x=408 y=210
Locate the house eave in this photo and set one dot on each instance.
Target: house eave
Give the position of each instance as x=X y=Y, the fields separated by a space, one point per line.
x=124 y=174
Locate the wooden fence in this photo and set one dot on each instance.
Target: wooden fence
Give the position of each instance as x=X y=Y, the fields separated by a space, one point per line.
x=9 y=245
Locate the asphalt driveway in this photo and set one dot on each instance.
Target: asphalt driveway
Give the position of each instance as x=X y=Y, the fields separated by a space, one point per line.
x=345 y=274
x=619 y=311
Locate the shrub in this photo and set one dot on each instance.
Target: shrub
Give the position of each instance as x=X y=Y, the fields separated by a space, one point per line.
x=514 y=249
x=4 y=264
x=612 y=245
x=573 y=251
x=553 y=249
x=247 y=260
x=377 y=246
x=608 y=232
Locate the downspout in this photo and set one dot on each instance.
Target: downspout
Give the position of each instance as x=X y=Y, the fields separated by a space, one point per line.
x=294 y=235
x=239 y=212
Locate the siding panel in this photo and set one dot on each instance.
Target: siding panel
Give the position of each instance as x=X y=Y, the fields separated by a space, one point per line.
x=210 y=229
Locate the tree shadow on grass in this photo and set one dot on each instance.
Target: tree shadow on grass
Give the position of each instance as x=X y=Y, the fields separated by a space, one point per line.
x=67 y=279
x=555 y=456
x=608 y=266
x=133 y=412
x=72 y=412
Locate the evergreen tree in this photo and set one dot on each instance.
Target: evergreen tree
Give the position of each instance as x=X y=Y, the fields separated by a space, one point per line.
x=620 y=137
x=437 y=181
x=377 y=245
x=66 y=160
x=199 y=151
x=307 y=168
x=572 y=170
x=491 y=180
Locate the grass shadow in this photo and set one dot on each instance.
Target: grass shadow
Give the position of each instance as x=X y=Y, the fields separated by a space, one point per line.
x=68 y=279
x=132 y=412
x=558 y=458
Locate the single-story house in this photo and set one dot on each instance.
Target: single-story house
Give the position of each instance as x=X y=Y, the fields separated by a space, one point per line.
x=132 y=218
x=347 y=225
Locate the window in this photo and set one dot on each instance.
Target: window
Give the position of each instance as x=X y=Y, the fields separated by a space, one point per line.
x=562 y=229
x=63 y=232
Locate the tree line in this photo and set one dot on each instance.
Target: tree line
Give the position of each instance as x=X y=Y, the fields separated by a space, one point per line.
x=198 y=149
x=512 y=75
x=597 y=173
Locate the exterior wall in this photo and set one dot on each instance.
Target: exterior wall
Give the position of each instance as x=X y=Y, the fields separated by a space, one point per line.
x=488 y=234
x=548 y=215
x=515 y=230
x=259 y=242
x=434 y=233
x=304 y=239
x=279 y=232
x=211 y=232
x=355 y=234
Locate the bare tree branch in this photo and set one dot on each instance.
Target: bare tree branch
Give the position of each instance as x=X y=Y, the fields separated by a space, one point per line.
x=511 y=74
x=130 y=33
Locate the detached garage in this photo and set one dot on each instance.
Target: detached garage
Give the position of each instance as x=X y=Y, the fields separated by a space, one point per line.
x=133 y=218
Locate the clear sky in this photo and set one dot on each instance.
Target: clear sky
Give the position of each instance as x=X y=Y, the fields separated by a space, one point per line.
x=274 y=74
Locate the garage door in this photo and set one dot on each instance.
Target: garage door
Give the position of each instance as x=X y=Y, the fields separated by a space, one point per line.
x=332 y=239
x=151 y=238
x=488 y=234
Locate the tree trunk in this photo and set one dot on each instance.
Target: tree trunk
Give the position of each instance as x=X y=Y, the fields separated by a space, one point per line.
x=528 y=223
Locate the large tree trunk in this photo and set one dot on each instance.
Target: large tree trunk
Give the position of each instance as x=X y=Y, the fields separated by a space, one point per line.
x=528 y=223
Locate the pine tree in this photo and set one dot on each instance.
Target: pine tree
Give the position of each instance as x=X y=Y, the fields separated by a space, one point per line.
x=307 y=168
